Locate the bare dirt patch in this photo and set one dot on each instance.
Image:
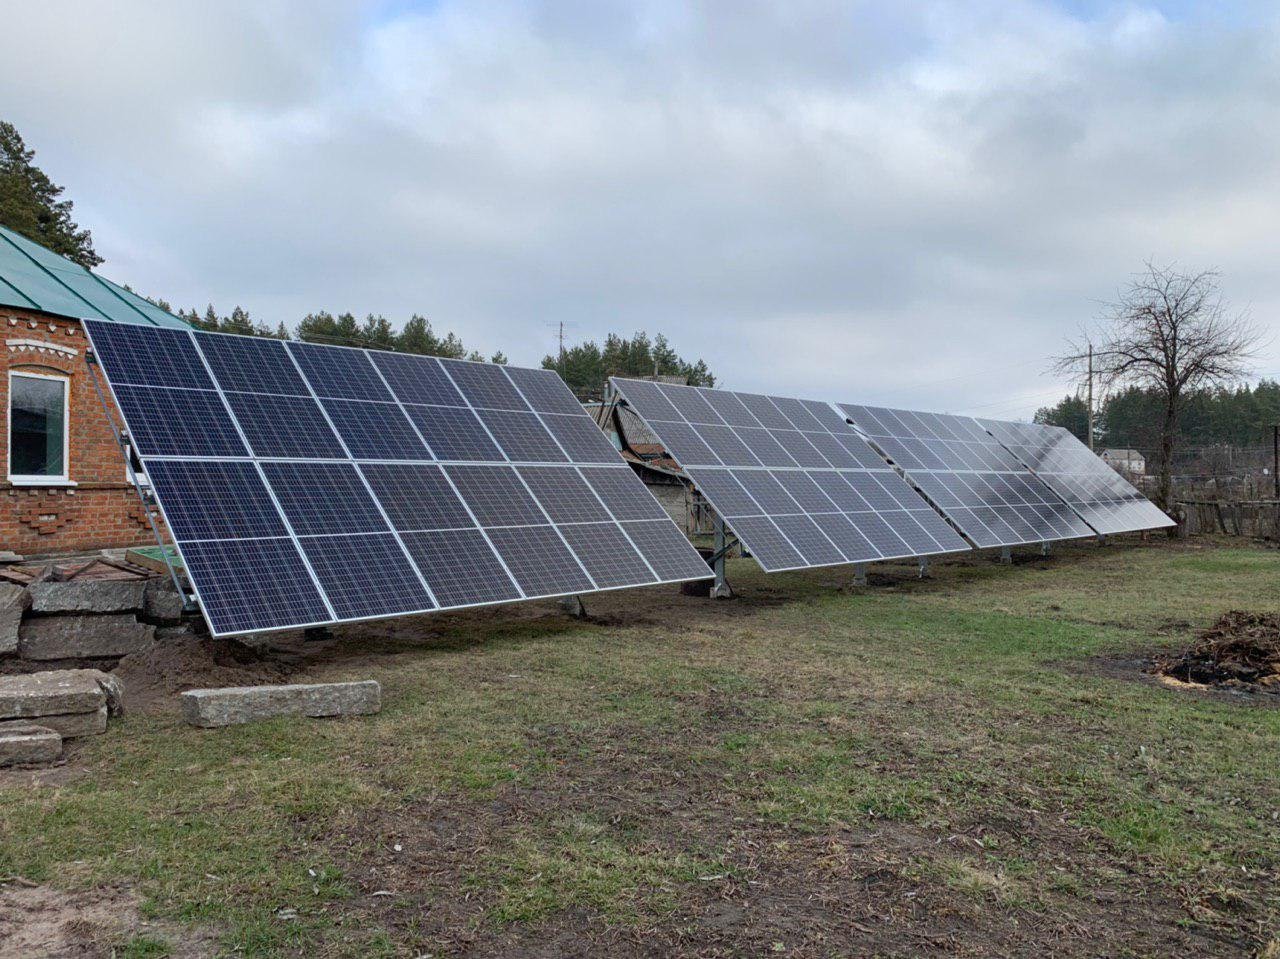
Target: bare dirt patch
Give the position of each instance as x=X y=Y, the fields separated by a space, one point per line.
x=1241 y=649
x=41 y=921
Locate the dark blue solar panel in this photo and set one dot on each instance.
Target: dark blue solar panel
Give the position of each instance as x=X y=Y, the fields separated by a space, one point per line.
x=564 y=495
x=252 y=364
x=214 y=500
x=460 y=567
x=324 y=498
x=522 y=437
x=366 y=575
x=484 y=385
x=375 y=431
x=416 y=497
x=291 y=427
x=166 y=422
x=253 y=584
x=667 y=551
x=617 y=487
x=607 y=554
x=417 y=379
x=454 y=434
x=540 y=561
x=496 y=495
x=339 y=372
x=544 y=391
x=580 y=438
x=146 y=356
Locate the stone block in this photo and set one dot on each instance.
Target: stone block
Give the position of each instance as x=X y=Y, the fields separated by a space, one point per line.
x=82 y=637
x=14 y=601
x=243 y=704
x=87 y=595
x=51 y=693
x=26 y=745
x=162 y=602
x=68 y=725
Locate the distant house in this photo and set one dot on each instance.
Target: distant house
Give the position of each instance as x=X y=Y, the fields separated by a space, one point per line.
x=66 y=486
x=1125 y=461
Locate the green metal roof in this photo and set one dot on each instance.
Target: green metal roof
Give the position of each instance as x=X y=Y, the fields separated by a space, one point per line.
x=33 y=278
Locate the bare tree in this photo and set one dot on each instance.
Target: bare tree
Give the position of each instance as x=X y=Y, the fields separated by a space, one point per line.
x=1171 y=333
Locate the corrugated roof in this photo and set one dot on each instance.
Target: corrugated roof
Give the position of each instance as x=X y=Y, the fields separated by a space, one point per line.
x=33 y=278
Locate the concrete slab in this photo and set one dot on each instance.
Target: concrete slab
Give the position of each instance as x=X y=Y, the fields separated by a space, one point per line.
x=82 y=637
x=243 y=704
x=52 y=693
x=88 y=596
x=69 y=726
x=28 y=745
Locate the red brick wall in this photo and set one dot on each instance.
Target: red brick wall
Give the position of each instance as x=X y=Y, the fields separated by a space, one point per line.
x=102 y=509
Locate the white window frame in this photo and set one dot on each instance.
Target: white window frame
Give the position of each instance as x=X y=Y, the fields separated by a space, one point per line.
x=65 y=478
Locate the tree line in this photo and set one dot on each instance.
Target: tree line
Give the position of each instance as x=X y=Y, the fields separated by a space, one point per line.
x=1239 y=416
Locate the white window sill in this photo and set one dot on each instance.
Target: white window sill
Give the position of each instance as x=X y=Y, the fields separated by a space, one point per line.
x=40 y=481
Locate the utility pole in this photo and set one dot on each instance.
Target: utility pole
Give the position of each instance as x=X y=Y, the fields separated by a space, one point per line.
x=562 y=349
x=1090 y=401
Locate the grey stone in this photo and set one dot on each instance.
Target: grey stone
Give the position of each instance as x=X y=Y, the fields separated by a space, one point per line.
x=82 y=637
x=162 y=602
x=243 y=704
x=51 y=693
x=27 y=745
x=113 y=688
x=87 y=595
x=68 y=726
x=14 y=601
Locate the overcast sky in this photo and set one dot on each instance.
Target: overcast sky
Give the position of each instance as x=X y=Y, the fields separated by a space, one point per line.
x=893 y=202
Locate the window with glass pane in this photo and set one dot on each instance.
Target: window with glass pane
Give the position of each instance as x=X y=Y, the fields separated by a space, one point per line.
x=37 y=426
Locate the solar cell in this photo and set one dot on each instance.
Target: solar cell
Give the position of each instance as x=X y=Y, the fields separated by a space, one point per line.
x=338 y=372
x=1095 y=491
x=366 y=576
x=320 y=498
x=306 y=484
x=289 y=427
x=375 y=431
x=461 y=567
x=172 y=422
x=953 y=460
x=417 y=379
x=253 y=365
x=522 y=437
x=781 y=467
x=540 y=561
x=607 y=554
x=454 y=434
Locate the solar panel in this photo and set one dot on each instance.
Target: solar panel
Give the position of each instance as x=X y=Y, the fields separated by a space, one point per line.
x=785 y=474
x=308 y=484
x=991 y=497
x=1093 y=489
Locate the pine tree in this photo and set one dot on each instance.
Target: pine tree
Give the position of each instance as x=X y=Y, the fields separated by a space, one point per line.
x=30 y=204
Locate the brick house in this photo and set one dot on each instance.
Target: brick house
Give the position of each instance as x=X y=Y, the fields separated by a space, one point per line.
x=66 y=486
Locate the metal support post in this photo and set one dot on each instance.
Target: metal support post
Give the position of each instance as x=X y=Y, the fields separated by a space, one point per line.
x=924 y=567
x=860 y=574
x=1045 y=548
x=1006 y=555
x=720 y=588
x=1102 y=539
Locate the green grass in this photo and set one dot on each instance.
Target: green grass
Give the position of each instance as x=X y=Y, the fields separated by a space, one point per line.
x=540 y=773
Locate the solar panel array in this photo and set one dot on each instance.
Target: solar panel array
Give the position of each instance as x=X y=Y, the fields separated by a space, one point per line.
x=970 y=476
x=1092 y=488
x=799 y=487
x=308 y=484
